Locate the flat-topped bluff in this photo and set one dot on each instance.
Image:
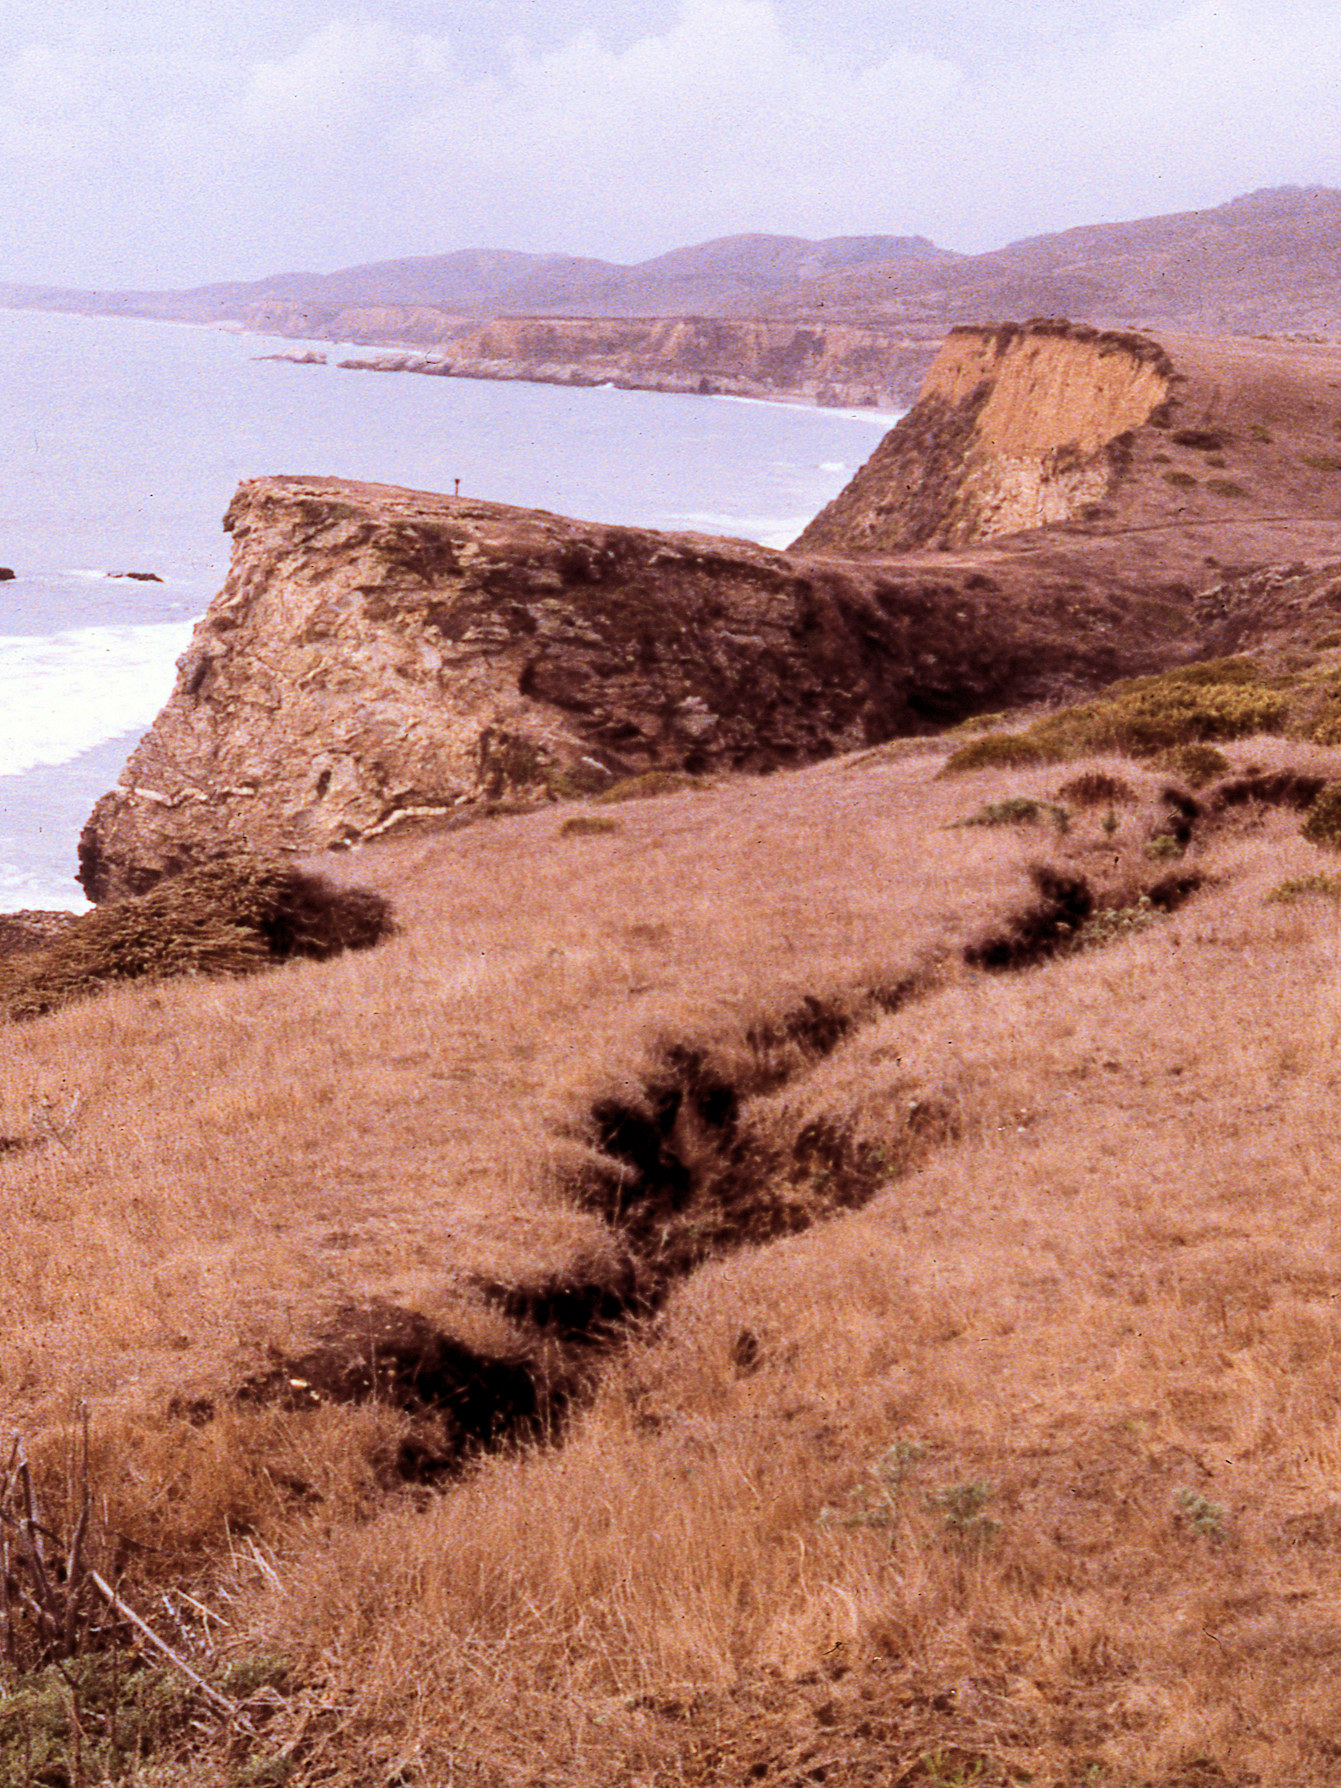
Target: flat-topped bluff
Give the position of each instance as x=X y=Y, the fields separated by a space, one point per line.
x=814 y=361
x=379 y=654
x=1039 y=524
x=1026 y=426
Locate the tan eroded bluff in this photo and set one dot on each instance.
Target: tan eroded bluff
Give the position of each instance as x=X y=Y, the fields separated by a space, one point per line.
x=378 y=655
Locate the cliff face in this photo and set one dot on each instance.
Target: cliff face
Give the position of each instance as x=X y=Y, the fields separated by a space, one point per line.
x=811 y=361
x=1016 y=427
x=378 y=655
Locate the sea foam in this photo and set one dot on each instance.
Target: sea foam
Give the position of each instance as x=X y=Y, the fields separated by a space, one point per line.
x=63 y=693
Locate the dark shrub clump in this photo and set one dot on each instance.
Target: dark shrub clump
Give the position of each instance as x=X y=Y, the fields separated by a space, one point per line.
x=1322 y=826
x=1196 y=764
x=230 y=917
x=1096 y=788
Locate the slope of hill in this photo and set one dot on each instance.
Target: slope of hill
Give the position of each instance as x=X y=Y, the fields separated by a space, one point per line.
x=938 y=1364
x=819 y=1277
x=1270 y=260
x=728 y=272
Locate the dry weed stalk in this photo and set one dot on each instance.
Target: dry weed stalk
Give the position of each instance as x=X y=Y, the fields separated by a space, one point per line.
x=59 y=1596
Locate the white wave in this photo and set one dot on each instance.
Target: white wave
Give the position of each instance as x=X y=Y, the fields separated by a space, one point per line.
x=63 y=693
x=884 y=419
x=766 y=530
x=832 y=465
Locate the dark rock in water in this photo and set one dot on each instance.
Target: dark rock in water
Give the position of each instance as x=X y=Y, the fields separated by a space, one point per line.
x=6 y=575
x=140 y=577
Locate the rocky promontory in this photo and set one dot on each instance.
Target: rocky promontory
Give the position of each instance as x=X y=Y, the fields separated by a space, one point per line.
x=1041 y=522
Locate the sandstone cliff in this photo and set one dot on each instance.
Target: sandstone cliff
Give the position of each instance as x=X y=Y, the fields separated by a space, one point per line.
x=811 y=361
x=1216 y=452
x=1014 y=428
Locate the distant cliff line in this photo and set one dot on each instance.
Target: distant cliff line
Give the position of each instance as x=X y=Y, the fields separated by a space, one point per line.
x=813 y=362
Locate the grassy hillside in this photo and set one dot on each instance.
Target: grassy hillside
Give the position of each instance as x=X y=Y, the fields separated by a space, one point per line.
x=829 y=1277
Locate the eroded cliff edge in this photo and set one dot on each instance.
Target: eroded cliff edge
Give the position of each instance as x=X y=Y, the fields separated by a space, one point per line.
x=1042 y=522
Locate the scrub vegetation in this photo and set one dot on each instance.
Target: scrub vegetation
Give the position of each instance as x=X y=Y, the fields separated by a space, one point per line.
x=788 y=1287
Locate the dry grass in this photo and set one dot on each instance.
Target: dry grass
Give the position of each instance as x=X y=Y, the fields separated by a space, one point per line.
x=1103 y=1291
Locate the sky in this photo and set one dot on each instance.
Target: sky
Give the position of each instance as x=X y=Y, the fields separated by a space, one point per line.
x=160 y=144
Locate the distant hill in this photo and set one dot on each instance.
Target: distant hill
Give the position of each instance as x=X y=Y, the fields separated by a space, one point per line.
x=731 y=273
x=1270 y=261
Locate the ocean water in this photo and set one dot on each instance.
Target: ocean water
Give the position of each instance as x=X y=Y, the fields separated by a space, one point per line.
x=121 y=443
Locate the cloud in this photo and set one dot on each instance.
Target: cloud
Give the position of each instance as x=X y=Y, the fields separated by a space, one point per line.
x=135 y=145
x=331 y=84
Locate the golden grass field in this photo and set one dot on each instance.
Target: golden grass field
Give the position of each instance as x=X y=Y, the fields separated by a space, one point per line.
x=1018 y=1460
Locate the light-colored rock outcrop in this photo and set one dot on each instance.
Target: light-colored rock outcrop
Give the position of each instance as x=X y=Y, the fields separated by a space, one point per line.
x=1016 y=427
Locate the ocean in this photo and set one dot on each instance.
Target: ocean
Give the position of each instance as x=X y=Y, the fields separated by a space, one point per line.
x=121 y=443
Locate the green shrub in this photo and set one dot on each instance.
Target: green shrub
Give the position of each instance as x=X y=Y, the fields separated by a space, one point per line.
x=650 y=783
x=1220 y=698
x=1195 y=765
x=230 y=917
x=1183 y=480
x=1322 y=824
x=587 y=825
x=1304 y=887
x=1226 y=487
x=1169 y=713
x=1018 y=810
x=1001 y=751
x=1163 y=847
x=1114 y=924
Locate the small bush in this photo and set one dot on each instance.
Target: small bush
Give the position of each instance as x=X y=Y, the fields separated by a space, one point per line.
x=1163 y=847
x=230 y=917
x=1205 y=1518
x=1209 y=440
x=650 y=783
x=587 y=825
x=1221 y=698
x=1114 y=924
x=1096 y=788
x=1304 y=887
x=1226 y=487
x=1323 y=462
x=1183 y=480
x=1170 y=713
x=1322 y=826
x=1001 y=751
x=1018 y=810
x=1260 y=433
x=1195 y=765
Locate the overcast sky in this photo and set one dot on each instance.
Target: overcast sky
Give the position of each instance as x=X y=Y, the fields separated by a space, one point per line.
x=165 y=143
